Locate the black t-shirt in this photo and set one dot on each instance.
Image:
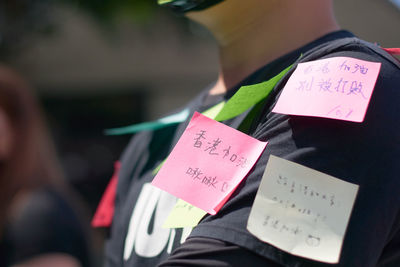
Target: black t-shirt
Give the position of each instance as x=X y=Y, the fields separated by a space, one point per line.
x=45 y=223
x=364 y=153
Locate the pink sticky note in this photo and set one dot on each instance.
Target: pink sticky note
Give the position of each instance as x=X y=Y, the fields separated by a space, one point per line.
x=208 y=163
x=337 y=88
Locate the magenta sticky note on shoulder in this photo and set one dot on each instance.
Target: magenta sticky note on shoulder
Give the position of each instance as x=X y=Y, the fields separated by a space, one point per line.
x=208 y=163
x=337 y=88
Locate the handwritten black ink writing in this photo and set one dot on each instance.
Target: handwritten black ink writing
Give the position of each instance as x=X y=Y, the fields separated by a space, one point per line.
x=308 y=70
x=210 y=181
x=194 y=173
x=324 y=69
x=313 y=241
x=184 y=206
x=361 y=68
x=325 y=85
x=294 y=187
x=344 y=66
x=340 y=112
x=342 y=86
x=198 y=140
x=206 y=180
x=356 y=88
x=356 y=68
x=213 y=147
x=226 y=151
x=305 y=85
x=278 y=225
x=233 y=157
x=224 y=187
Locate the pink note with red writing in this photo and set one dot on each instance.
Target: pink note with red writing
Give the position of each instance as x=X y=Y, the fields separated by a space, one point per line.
x=208 y=163
x=337 y=88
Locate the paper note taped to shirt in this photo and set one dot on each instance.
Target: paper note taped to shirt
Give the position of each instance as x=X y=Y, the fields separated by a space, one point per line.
x=302 y=211
x=337 y=88
x=208 y=163
x=184 y=215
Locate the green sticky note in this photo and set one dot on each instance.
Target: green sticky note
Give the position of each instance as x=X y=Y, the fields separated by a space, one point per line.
x=155 y=171
x=184 y=215
x=151 y=125
x=213 y=111
x=161 y=2
x=248 y=96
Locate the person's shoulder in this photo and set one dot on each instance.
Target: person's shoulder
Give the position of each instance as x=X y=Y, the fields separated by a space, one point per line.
x=389 y=71
x=355 y=47
x=378 y=89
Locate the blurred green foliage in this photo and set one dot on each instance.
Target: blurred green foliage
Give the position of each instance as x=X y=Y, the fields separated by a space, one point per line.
x=106 y=11
x=19 y=19
x=22 y=19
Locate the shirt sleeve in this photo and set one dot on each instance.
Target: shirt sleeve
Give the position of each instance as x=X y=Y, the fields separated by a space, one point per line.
x=366 y=154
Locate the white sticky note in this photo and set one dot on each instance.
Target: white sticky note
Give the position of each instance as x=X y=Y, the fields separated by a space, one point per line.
x=302 y=211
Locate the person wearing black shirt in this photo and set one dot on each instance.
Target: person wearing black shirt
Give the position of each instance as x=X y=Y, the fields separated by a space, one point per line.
x=257 y=40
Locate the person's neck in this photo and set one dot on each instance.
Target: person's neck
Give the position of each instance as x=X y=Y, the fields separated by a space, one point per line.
x=261 y=38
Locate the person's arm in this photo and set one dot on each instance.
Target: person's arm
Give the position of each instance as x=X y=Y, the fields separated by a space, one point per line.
x=203 y=252
x=365 y=154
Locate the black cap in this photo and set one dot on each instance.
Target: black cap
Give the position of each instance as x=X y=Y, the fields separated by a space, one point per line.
x=182 y=6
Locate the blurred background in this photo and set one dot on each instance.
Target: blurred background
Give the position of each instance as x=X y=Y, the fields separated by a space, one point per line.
x=98 y=64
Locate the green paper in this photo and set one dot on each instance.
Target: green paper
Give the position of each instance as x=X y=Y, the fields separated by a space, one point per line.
x=163 y=122
x=161 y=2
x=151 y=125
x=184 y=215
x=248 y=96
x=214 y=111
x=156 y=169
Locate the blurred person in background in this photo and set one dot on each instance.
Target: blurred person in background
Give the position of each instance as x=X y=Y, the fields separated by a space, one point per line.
x=257 y=40
x=41 y=220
